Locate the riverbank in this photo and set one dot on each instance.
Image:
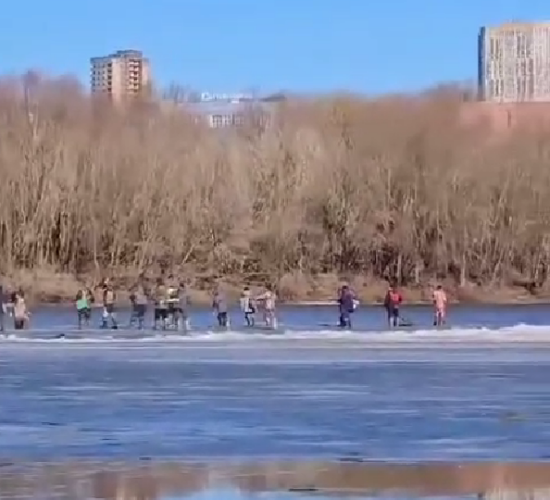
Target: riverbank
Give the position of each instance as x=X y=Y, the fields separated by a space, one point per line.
x=46 y=287
x=166 y=480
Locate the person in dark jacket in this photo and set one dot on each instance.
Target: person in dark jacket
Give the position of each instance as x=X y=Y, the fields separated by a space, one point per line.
x=346 y=304
x=219 y=304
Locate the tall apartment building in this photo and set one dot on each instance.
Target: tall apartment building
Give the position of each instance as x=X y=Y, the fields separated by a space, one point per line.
x=122 y=75
x=514 y=62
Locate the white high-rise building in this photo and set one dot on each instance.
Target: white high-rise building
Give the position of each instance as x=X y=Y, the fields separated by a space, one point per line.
x=514 y=62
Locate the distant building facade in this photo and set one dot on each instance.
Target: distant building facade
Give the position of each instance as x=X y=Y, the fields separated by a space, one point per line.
x=123 y=75
x=228 y=110
x=514 y=62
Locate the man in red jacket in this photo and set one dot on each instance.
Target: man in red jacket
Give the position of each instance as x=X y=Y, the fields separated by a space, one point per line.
x=392 y=302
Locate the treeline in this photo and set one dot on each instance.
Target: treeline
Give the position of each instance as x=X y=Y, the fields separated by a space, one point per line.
x=393 y=187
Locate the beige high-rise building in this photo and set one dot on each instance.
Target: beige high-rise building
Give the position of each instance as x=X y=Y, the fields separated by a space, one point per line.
x=122 y=75
x=514 y=62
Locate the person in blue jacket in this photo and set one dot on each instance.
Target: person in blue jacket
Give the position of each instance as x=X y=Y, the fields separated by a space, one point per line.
x=347 y=302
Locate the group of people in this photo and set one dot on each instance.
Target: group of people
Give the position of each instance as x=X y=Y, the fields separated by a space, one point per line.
x=171 y=306
x=348 y=303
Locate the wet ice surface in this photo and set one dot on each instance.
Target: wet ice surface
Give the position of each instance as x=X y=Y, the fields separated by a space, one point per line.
x=333 y=399
x=314 y=318
x=344 y=399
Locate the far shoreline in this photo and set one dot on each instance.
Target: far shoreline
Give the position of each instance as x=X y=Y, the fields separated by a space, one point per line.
x=46 y=287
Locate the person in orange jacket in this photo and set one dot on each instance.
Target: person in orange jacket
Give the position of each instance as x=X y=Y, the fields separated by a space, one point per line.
x=392 y=302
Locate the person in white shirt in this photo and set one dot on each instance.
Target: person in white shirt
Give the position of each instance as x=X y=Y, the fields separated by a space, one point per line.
x=247 y=307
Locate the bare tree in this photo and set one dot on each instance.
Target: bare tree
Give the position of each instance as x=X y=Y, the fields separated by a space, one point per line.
x=391 y=187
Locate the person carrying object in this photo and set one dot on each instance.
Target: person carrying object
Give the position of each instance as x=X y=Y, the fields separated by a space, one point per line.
x=347 y=303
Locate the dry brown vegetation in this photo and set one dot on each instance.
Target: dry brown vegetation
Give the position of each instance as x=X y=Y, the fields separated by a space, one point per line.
x=155 y=481
x=333 y=188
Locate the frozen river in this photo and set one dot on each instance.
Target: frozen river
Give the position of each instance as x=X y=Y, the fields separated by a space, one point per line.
x=302 y=395
x=270 y=399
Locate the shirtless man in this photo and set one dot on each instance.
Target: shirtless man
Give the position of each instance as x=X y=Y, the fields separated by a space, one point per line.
x=20 y=312
x=268 y=300
x=440 y=306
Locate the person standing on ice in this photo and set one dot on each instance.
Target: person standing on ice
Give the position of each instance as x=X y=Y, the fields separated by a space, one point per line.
x=3 y=308
x=219 y=304
x=172 y=301
x=183 y=308
x=392 y=303
x=20 y=311
x=84 y=300
x=268 y=300
x=139 y=298
x=109 y=300
x=347 y=303
x=440 y=306
x=247 y=307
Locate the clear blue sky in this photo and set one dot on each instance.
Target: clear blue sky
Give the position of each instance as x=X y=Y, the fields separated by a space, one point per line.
x=368 y=46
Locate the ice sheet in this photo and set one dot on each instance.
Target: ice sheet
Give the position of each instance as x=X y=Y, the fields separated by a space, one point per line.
x=517 y=334
x=395 y=396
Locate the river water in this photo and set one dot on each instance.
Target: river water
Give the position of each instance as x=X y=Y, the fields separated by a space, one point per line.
x=306 y=393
